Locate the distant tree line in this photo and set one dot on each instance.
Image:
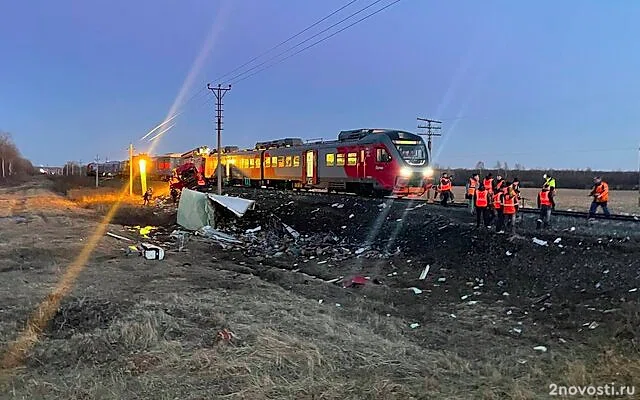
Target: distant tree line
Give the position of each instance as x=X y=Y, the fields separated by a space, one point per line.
x=570 y=179
x=12 y=164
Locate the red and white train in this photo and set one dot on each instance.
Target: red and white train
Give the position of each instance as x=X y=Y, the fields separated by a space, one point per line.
x=362 y=161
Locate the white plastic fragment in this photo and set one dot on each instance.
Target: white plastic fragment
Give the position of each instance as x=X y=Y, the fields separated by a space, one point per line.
x=423 y=274
x=517 y=330
x=593 y=325
x=360 y=250
x=540 y=348
x=633 y=290
x=472 y=302
x=466 y=296
x=540 y=242
x=351 y=216
x=254 y=230
x=442 y=279
x=573 y=228
x=453 y=316
x=505 y=294
x=558 y=240
x=415 y=290
x=414 y=325
x=320 y=301
x=509 y=253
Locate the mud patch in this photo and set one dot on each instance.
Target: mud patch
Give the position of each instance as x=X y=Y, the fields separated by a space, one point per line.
x=84 y=315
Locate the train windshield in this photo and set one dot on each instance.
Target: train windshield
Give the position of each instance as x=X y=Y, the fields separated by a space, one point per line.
x=414 y=152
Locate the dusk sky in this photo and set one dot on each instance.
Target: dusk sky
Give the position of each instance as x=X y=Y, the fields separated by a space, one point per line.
x=542 y=83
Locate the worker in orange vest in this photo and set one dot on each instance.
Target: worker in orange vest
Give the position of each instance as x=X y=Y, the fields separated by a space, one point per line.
x=545 y=204
x=481 y=201
x=600 y=193
x=495 y=212
x=509 y=209
x=488 y=182
x=472 y=186
x=445 y=189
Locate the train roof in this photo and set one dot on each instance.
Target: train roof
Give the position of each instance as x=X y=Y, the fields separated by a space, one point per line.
x=343 y=136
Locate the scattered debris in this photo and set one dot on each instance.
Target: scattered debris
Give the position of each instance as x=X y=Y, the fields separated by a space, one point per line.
x=226 y=335
x=254 y=230
x=415 y=290
x=209 y=232
x=423 y=274
x=540 y=348
x=113 y=235
x=540 y=242
x=152 y=252
x=414 y=325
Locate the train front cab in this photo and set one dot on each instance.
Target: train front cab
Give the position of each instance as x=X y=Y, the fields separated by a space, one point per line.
x=413 y=174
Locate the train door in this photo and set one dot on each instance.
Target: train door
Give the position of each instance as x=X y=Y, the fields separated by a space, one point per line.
x=362 y=164
x=310 y=168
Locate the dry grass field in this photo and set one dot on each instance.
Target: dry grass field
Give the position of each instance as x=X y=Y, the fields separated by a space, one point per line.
x=137 y=329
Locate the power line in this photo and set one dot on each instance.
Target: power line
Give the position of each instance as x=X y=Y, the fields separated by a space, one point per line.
x=203 y=89
x=305 y=41
x=287 y=40
x=317 y=42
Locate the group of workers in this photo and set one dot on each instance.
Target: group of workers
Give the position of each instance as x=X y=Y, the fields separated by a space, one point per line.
x=495 y=199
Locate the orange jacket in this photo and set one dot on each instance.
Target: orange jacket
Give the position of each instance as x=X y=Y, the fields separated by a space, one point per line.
x=601 y=193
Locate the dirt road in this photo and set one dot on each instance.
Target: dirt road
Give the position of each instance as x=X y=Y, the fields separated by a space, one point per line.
x=133 y=328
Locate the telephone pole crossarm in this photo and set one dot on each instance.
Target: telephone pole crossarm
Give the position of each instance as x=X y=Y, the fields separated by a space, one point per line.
x=219 y=92
x=430 y=127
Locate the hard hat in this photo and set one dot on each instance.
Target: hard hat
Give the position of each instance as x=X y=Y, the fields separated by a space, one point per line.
x=544 y=176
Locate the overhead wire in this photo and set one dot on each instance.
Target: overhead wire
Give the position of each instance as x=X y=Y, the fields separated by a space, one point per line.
x=287 y=40
x=232 y=79
x=186 y=103
x=317 y=42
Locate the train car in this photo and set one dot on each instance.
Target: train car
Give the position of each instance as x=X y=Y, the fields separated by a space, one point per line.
x=164 y=165
x=110 y=168
x=363 y=161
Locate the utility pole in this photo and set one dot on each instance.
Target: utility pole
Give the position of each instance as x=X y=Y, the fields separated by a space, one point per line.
x=97 y=168
x=430 y=131
x=219 y=91
x=638 y=176
x=130 y=169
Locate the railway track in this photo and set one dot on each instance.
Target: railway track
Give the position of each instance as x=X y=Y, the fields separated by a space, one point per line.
x=526 y=210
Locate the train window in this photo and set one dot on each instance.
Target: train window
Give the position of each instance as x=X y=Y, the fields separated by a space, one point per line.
x=251 y=164
x=274 y=161
x=382 y=155
x=267 y=162
x=331 y=159
x=296 y=161
x=352 y=158
x=257 y=163
x=340 y=160
x=280 y=161
x=288 y=161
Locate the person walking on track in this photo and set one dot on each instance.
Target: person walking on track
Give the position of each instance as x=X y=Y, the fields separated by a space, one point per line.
x=600 y=194
x=545 y=204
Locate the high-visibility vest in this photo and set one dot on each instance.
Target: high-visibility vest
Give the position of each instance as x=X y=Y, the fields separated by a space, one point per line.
x=509 y=204
x=488 y=184
x=473 y=184
x=445 y=184
x=544 y=198
x=482 y=199
x=496 y=201
x=603 y=190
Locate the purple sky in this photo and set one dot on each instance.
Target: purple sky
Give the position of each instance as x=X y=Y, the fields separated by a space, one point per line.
x=544 y=84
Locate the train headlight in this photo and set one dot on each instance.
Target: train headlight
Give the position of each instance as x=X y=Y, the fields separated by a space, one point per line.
x=428 y=172
x=406 y=172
